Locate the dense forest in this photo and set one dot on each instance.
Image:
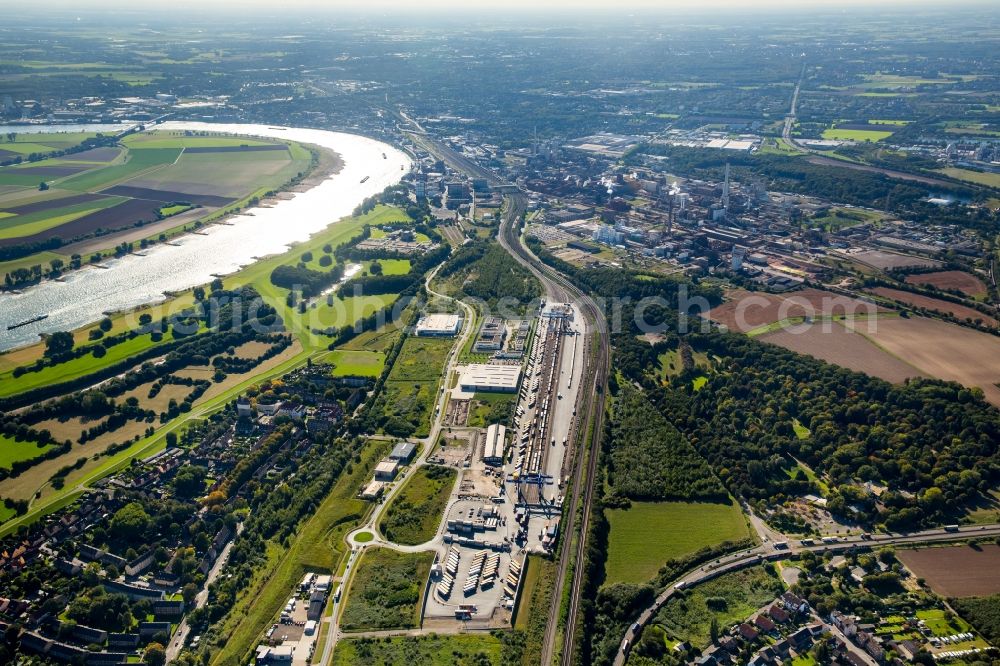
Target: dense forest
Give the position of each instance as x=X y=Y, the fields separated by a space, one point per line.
x=649 y=459
x=933 y=444
x=983 y=613
x=493 y=276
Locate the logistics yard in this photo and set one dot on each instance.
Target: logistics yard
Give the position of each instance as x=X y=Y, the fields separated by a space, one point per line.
x=505 y=502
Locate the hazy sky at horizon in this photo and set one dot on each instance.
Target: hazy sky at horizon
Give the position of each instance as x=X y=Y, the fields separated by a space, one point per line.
x=471 y=5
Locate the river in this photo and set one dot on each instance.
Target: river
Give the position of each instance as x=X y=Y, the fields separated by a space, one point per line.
x=84 y=295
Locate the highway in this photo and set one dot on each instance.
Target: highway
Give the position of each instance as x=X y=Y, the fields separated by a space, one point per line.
x=818 y=157
x=558 y=289
x=746 y=558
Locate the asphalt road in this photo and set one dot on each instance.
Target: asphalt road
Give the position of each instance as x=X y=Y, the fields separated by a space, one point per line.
x=371 y=524
x=747 y=558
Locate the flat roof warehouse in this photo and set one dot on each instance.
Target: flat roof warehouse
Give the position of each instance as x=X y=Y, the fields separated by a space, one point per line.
x=500 y=378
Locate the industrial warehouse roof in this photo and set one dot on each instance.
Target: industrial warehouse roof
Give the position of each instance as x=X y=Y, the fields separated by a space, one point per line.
x=438 y=324
x=496 y=377
x=495 y=439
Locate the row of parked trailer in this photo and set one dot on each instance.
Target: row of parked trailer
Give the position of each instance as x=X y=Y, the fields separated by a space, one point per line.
x=447 y=581
x=472 y=580
x=513 y=579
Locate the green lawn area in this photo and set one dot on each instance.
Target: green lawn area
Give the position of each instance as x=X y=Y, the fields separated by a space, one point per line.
x=363 y=537
x=415 y=513
x=968 y=175
x=421 y=359
x=346 y=311
x=735 y=596
x=379 y=232
x=386 y=590
x=838 y=218
x=490 y=408
x=939 y=624
x=258 y=275
x=855 y=135
x=824 y=489
x=801 y=431
x=379 y=340
x=356 y=363
x=698 y=382
x=643 y=537
x=318 y=546
x=12 y=451
x=434 y=650
x=670 y=363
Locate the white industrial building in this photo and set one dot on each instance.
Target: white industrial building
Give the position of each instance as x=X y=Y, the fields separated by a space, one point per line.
x=439 y=325
x=558 y=311
x=493 y=378
x=386 y=470
x=496 y=439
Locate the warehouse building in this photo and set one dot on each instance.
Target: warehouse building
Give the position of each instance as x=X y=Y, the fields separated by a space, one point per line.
x=439 y=325
x=386 y=470
x=403 y=453
x=492 y=378
x=496 y=440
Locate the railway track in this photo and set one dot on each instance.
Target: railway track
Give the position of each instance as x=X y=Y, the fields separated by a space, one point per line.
x=559 y=289
x=584 y=477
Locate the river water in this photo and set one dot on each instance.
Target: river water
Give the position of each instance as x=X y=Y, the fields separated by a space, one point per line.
x=84 y=295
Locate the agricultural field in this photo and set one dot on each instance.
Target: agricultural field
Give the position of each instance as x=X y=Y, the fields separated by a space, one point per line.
x=647 y=534
x=861 y=135
x=834 y=342
x=970 y=176
x=416 y=511
x=942 y=350
x=730 y=598
x=967 y=283
x=883 y=260
x=934 y=304
x=956 y=571
x=41 y=143
x=386 y=590
x=144 y=180
x=433 y=650
x=745 y=311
